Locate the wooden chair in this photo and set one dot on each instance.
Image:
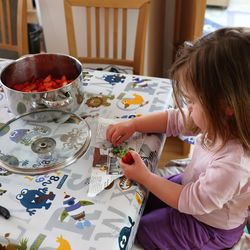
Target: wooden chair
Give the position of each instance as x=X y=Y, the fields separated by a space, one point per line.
x=13 y=28
x=109 y=18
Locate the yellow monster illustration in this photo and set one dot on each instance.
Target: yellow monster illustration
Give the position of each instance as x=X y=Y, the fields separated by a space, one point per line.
x=64 y=244
x=137 y=100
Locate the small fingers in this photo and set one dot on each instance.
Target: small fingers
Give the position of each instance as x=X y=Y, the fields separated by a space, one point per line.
x=119 y=139
x=110 y=133
x=135 y=155
x=115 y=135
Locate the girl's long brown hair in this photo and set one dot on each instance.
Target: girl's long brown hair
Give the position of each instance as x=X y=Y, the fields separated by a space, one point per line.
x=218 y=68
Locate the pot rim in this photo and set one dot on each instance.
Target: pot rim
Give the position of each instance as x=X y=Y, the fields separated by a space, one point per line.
x=37 y=55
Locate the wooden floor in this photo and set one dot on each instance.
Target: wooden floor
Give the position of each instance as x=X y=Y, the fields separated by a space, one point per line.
x=174 y=148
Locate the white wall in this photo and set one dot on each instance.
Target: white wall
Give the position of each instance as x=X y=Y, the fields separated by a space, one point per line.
x=51 y=18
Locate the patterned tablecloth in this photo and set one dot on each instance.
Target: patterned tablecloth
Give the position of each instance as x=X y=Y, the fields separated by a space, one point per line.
x=39 y=205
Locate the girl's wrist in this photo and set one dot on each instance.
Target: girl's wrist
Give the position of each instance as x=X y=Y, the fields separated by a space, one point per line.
x=146 y=177
x=134 y=125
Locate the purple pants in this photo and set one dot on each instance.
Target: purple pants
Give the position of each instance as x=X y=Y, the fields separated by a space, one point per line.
x=163 y=227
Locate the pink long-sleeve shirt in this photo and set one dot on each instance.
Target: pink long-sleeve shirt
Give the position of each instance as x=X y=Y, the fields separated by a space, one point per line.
x=216 y=184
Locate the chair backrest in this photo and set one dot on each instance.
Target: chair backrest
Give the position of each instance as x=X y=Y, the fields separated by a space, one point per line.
x=13 y=27
x=106 y=24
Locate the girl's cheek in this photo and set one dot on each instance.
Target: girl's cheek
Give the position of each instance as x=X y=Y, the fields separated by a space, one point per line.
x=190 y=108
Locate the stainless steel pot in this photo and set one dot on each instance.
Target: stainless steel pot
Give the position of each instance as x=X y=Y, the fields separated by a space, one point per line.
x=67 y=98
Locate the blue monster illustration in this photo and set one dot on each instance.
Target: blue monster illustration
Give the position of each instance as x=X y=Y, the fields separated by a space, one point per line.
x=125 y=234
x=35 y=199
x=115 y=78
x=18 y=134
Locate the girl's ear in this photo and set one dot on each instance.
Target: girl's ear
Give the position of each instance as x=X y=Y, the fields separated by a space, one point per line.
x=229 y=111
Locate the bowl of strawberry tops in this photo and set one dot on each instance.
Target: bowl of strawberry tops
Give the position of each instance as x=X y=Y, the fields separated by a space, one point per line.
x=43 y=81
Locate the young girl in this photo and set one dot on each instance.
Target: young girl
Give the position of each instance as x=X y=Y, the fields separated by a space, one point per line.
x=206 y=206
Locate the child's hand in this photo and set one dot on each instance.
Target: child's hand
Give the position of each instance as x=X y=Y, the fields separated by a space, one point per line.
x=128 y=158
x=136 y=171
x=120 y=132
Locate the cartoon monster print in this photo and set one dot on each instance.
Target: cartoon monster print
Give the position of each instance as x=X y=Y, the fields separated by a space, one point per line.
x=25 y=136
x=63 y=244
x=2 y=191
x=125 y=183
x=22 y=245
x=71 y=139
x=9 y=160
x=4 y=172
x=136 y=100
x=97 y=101
x=18 y=134
x=139 y=196
x=74 y=209
x=35 y=199
x=139 y=82
x=86 y=76
x=125 y=234
x=114 y=78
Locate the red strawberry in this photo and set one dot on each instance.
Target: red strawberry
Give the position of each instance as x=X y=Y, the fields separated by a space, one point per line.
x=128 y=158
